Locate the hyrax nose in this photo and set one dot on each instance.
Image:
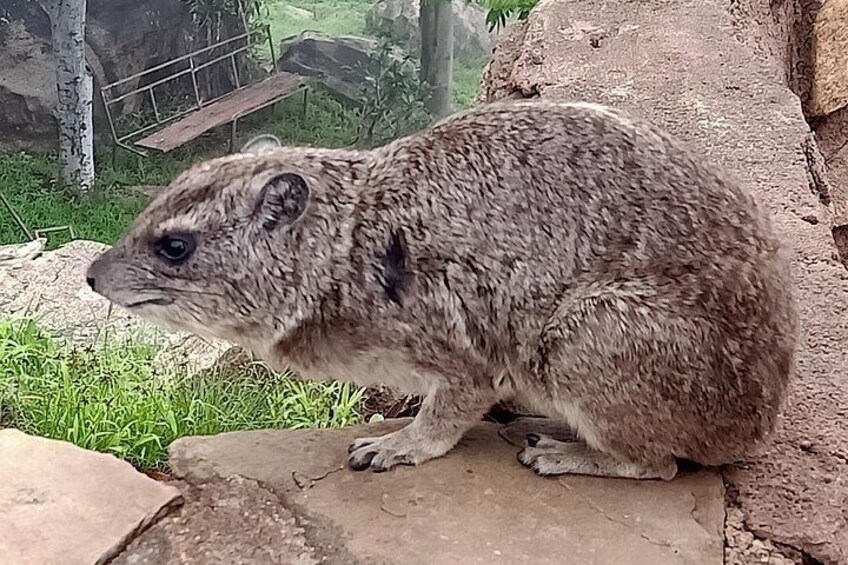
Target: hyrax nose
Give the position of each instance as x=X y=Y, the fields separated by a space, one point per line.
x=91 y=282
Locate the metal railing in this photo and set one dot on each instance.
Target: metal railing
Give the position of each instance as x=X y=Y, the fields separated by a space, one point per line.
x=195 y=64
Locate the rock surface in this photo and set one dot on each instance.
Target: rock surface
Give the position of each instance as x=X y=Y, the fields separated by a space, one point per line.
x=832 y=138
x=27 y=90
x=51 y=288
x=475 y=505
x=15 y=255
x=826 y=106
x=712 y=79
x=221 y=523
x=829 y=90
x=63 y=504
x=398 y=19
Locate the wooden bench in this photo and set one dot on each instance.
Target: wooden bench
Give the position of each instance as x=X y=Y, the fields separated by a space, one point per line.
x=227 y=109
x=162 y=131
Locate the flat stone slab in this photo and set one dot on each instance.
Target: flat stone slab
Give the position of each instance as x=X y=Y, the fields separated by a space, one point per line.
x=475 y=505
x=63 y=504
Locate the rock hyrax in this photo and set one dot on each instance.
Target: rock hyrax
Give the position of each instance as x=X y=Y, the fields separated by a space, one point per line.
x=574 y=260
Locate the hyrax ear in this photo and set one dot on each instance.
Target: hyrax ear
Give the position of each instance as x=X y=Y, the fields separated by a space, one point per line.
x=261 y=144
x=282 y=200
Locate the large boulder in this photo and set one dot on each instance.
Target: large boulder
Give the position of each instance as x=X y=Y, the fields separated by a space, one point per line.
x=27 y=90
x=398 y=20
x=714 y=74
x=342 y=64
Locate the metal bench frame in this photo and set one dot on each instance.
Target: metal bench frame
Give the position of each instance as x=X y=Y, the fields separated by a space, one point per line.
x=233 y=49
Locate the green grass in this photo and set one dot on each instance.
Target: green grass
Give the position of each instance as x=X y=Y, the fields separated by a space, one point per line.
x=467 y=75
x=334 y=17
x=30 y=185
x=113 y=399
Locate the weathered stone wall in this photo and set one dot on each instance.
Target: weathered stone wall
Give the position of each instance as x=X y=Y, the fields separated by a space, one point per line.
x=808 y=41
x=827 y=109
x=822 y=84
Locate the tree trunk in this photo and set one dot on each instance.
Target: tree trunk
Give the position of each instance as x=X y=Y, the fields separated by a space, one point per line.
x=76 y=91
x=436 y=25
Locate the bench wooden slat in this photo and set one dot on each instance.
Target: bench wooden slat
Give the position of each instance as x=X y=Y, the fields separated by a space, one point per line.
x=223 y=111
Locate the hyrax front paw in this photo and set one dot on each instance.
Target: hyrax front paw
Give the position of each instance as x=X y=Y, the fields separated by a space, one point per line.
x=397 y=448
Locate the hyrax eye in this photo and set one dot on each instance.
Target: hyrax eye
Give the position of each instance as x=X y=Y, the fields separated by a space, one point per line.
x=175 y=248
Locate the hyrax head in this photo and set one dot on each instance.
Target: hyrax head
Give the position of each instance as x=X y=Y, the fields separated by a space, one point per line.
x=235 y=244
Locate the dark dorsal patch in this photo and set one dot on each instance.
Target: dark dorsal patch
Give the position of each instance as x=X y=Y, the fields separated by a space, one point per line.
x=392 y=273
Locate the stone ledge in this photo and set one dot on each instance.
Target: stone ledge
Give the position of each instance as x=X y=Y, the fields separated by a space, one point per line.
x=475 y=505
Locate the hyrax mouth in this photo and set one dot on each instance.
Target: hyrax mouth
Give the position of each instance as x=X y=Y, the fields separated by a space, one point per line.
x=159 y=301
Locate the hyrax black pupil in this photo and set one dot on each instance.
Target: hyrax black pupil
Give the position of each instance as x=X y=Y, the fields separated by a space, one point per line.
x=175 y=247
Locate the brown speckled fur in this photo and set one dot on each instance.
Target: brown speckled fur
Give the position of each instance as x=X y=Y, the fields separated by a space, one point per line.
x=571 y=258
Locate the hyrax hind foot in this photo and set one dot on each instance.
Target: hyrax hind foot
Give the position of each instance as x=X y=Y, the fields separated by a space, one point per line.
x=547 y=456
x=397 y=448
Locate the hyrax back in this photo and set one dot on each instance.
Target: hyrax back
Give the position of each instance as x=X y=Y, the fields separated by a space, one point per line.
x=562 y=255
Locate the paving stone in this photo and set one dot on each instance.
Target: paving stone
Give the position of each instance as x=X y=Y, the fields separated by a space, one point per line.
x=60 y=504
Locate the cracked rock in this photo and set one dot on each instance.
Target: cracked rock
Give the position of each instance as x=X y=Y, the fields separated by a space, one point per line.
x=742 y=547
x=222 y=523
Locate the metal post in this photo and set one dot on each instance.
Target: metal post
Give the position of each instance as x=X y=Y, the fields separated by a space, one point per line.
x=244 y=20
x=106 y=103
x=271 y=47
x=193 y=73
x=16 y=217
x=155 y=106
x=235 y=72
x=233 y=129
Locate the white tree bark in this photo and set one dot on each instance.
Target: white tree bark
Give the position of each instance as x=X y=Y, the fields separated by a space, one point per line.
x=436 y=25
x=76 y=91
